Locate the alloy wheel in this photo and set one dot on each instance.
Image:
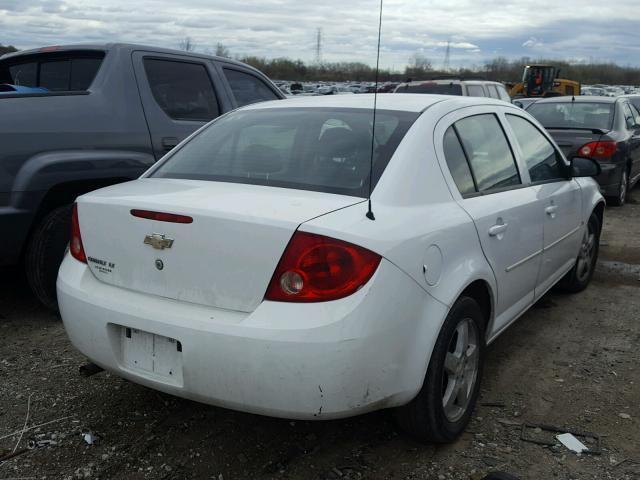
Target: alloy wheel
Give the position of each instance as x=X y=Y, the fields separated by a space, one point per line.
x=585 y=257
x=623 y=187
x=460 y=370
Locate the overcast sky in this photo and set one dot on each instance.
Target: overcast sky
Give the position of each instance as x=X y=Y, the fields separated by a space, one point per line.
x=478 y=30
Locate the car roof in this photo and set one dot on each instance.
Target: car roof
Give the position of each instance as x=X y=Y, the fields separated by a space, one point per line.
x=444 y=81
x=578 y=99
x=408 y=102
x=115 y=46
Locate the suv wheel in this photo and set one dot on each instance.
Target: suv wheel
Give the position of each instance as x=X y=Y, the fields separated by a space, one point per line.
x=44 y=255
x=442 y=409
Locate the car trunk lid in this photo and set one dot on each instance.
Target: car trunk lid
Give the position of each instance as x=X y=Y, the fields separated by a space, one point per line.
x=224 y=258
x=570 y=140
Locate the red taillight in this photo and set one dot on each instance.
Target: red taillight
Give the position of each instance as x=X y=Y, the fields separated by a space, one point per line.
x=598 y=149
x=161 y=216
x=315 y=268
x=75 y=244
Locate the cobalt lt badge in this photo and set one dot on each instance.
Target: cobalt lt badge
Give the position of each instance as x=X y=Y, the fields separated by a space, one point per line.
x=159 y=264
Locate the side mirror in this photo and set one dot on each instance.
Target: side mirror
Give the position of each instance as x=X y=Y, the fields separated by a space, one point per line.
x=585 y=167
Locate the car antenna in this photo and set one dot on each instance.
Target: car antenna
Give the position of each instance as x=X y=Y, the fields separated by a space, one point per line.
x=370 y=215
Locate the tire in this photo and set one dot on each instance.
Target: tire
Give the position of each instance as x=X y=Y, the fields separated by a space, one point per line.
x=426 y=418
x=44 y=255
x=580 y=275
x=623 y=189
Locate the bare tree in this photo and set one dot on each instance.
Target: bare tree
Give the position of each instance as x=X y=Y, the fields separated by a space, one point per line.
x=187 y=44
x=222 y=51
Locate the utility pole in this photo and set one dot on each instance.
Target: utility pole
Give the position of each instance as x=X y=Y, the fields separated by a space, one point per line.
x=319 y=47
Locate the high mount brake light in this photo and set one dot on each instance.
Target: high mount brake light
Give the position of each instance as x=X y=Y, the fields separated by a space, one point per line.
x=161 y=216
x=75 y=243
x=315 y=268
x=598 y=149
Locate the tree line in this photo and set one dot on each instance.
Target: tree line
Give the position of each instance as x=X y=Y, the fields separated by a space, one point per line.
x=418 y=68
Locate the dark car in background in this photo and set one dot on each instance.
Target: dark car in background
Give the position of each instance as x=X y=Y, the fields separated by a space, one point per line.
x=603 y=128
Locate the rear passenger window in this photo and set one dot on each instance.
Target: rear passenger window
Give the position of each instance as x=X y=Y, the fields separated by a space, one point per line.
x=475 y=91
x=543 y=161
x=183 y=90
x=488 y=152
x=247 y=88
x=457 y=163
x=55 y=73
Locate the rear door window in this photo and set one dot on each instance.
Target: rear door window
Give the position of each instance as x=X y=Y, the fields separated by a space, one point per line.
x=543 y=161
x=628 y=116
x=248 y=88
x=475 y=91
x=488 y=152
x=183 y=90
x=431 y=87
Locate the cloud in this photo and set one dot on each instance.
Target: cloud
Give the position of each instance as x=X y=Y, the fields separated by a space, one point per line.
x=533 y=42
x=475 y=29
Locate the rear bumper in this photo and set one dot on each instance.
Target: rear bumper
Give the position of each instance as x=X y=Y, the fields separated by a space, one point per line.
x=609 y=179
x=304 y=361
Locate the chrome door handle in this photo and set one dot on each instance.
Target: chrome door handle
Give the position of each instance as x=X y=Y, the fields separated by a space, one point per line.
x=497 y=229
x=551 y=210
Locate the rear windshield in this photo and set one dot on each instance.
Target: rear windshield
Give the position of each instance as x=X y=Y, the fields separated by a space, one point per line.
x=573 y=115
x=438 y=88
x=54 y=72
x=320 y=149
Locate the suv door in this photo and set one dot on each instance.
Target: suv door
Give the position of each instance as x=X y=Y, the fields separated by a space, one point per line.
x=484 y=172
x=559 y=205
x=178 y=96
x=632 y=118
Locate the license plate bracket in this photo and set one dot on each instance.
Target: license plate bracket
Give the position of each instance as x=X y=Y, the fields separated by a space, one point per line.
x=152 y=355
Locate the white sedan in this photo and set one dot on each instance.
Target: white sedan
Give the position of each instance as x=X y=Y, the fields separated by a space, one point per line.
x=247 y=268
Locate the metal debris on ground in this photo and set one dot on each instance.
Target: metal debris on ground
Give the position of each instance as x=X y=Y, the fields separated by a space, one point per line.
x=572 y=443
x=90 y=438
x=528 y=429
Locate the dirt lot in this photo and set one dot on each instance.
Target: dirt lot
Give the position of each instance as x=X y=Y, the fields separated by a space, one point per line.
x=572 y=361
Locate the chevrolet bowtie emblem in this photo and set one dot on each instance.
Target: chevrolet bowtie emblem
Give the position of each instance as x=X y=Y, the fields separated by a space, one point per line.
x=158 y=241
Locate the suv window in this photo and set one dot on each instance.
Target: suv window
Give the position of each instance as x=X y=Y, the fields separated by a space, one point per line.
x=449 y=88
x=543 y=161
x=502 y=92
x=182 y=89
x=475 y=91
x=247 y=88
x=457 y=162
x=488 y=152
x=54 y=72
x=493 y=91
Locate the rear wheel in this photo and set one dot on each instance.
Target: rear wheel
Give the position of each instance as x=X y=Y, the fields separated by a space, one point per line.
x=580 y=275
x=44 y=254
x=622 y=189
x=442 y=409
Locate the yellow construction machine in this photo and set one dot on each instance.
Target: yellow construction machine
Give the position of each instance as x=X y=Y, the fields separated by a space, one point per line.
x=543 y=81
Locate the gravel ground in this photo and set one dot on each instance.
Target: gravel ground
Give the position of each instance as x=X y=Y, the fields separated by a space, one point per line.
x=571 y=362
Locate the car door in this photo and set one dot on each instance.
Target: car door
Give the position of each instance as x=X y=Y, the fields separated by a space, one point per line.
x=493 y=192
x=559 y=205
x=632 y=120
x=178 y=96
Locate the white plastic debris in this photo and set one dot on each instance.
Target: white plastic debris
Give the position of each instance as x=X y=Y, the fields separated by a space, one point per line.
x=572 y=443
x=90 y=438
